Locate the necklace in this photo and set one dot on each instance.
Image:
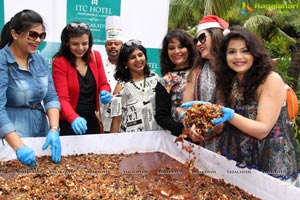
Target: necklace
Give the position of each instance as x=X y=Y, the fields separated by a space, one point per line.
x=237 y=91
x=143 y=88
x=145 y=97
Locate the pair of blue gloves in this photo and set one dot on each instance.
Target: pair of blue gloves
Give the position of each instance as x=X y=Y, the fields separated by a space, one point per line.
x=27 y=157
x=228 y=113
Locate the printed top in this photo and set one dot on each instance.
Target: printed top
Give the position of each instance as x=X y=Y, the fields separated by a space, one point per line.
x=275 y=154
x=169 y=96
x=136 y=103
x=175 y=83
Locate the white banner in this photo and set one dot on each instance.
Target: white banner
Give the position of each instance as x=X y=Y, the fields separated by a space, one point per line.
x=145 y=20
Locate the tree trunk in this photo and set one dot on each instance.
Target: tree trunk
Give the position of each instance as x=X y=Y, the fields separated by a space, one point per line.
x=294 y=68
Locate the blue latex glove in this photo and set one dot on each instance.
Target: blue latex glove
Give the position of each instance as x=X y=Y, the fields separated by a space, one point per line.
x=180 y=117
x=26 y=156
x=53 y=140
x=190 y=104
x=79 y=125
x=105 y=97
x=228 y=114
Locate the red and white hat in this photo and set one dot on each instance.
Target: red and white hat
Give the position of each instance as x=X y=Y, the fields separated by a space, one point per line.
x=213 y=21
x=113 y=28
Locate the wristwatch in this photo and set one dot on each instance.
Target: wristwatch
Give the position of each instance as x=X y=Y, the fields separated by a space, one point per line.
x=56 y=128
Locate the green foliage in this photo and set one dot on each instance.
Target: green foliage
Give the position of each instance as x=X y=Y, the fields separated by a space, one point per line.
x=282 y=65
x=183 y=14
x=192 y=31
x=296 y=126
x=277 y=47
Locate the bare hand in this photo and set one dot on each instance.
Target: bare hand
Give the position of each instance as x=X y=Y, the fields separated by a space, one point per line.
x=195 y=134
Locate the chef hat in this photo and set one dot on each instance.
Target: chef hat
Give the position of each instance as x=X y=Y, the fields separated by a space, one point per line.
x=213 y=21
x=113 y=28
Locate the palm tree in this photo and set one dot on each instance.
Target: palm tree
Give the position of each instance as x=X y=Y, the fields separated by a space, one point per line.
x=292 y=27
x=185 y=14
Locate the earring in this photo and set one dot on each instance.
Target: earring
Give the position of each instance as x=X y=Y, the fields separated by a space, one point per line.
x=126 y=67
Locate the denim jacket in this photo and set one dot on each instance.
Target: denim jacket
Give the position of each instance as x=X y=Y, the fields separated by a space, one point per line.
x=24 y=89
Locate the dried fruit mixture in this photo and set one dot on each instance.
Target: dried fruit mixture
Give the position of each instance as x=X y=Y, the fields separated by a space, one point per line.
x=201 y=115
x=133 y=176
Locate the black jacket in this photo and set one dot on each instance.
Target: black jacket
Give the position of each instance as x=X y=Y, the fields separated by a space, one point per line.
x=163 y=111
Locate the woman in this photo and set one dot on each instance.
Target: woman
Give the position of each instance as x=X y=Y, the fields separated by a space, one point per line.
x=210 y=33
x=256 y=133
x=133 y=106
x=26 y=88
x=79 y=77
x=178 y=56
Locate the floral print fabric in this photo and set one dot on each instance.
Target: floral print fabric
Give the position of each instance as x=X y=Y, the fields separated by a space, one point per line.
x=136 y=103
x=175 y=83
x=275 y=154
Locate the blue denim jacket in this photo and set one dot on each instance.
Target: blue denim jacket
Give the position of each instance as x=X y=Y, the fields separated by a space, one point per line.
x=21 y=95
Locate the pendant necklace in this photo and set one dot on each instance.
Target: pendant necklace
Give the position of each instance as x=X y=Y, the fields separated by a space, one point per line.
x=142 y=89
x=145 y=96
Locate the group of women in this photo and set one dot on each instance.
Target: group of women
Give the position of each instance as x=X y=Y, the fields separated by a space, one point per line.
x=230 y=68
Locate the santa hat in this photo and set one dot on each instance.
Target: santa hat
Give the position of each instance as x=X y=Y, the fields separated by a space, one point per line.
x=113 y=28
x=213 y=21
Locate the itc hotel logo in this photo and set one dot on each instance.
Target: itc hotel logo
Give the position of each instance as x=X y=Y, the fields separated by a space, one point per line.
x=94 y=2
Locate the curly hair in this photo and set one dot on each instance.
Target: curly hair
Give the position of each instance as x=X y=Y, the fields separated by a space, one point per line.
x=122 y=71
x=255 y=76
x=21 y=22
x=74 y=31
x=185 y=40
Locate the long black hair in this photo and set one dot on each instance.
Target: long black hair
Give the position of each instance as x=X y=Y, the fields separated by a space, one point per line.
x=74 y=29
x=186 y=40
x=21 y=22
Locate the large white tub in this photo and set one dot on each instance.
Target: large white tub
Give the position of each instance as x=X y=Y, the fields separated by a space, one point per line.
x=253 y=181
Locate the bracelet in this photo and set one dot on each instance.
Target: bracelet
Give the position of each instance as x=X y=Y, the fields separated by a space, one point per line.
x=56 y=128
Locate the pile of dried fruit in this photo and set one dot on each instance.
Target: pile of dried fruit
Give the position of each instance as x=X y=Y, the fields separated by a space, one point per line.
x=134 y=176
x=201 y=115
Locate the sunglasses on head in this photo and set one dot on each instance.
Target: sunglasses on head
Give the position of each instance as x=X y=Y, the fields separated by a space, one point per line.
x=201 y=38
x=131 y=42
x=80 y=25
x=33 y=35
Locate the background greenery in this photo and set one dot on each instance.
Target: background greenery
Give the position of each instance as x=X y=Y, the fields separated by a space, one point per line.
x=278 y=27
